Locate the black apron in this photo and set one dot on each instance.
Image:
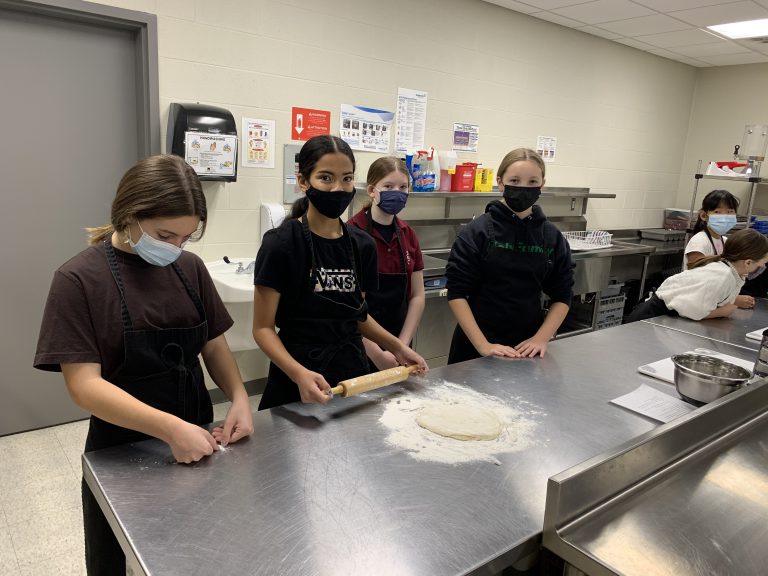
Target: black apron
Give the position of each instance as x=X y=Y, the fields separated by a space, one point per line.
x=505 y=275
x=389 y=304
x=161 y=368
x=321 y=334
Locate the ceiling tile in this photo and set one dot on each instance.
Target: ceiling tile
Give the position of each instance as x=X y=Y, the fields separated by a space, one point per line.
x=680 y=38
x=551 y=4
x=604 y=11
x=512 y=5
x=656 y=24
x=750 y=44
x=762 y=2
x=599 y=32
x=723 y=14
x=701 y=50
x=691 y=61
x=634 y=43
x=666 y=6
x=664 y=53
x=729 y=59
x=557 y=19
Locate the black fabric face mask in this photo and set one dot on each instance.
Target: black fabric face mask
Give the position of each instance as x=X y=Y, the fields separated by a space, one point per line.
x=330 y=204
x=520 y=198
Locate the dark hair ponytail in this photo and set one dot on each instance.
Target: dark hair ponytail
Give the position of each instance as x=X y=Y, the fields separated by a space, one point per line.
x=309 y=155
x=712 y=201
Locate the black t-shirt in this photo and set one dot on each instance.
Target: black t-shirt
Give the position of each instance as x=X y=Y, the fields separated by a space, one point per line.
x=283 y=264
x=386 y=230
x=82 y=322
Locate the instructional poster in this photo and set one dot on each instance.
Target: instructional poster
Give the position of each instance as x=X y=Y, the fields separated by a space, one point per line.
x=465 y=137
x=411 y=119
x=546 y=147
x=211 y=154
x=366 y=128
x=258 y=143
x=308 y=122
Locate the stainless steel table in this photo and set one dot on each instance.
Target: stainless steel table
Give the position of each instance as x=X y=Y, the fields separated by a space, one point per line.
x=316 y=490
x=687 y=499
x=730 y=330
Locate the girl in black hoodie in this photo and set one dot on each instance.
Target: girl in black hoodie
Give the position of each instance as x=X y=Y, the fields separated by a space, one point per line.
x=500 y=264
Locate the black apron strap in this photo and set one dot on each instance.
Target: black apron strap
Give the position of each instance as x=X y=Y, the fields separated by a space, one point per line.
x=112 y=260
x=369 y=229
x=190 y=290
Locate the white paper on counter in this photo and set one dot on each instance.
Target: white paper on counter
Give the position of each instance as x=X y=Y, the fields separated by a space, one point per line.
x=664 y=369
x=654 y=404
x=757 y=334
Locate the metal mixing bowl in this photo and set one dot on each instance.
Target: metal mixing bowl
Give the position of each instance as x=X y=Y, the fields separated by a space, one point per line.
x=700 y=379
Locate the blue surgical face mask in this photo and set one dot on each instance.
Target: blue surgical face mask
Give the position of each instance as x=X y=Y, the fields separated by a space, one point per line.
x=721 y=223
x=392 y=201
x=155 y=251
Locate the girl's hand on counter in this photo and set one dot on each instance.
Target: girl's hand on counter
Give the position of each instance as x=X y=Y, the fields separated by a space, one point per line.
x=385 y=360
x=499 y=350
x=313 y=387
x=532 y=347
x=237 y=425
x=190 y=443
x=744 y=301
x=407 y=357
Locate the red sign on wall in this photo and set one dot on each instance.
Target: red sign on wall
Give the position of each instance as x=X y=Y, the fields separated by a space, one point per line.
x=306 y=123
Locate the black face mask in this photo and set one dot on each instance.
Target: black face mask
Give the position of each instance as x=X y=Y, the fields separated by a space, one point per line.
x=520 y=198
x=330 y=204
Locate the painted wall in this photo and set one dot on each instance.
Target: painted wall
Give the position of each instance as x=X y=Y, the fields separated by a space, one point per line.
x=726 y=99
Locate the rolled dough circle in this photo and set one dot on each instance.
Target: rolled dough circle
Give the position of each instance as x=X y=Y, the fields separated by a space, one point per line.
x=459 y=421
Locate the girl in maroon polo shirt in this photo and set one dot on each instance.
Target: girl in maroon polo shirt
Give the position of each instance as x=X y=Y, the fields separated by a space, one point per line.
x=398 y=303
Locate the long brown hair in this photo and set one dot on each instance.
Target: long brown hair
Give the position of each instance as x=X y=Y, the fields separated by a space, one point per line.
x=748 y=244
x=383 y=167
x=162 y=186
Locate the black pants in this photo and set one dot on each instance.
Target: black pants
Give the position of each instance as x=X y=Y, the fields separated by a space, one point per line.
x=103 y=555
x=651 y=308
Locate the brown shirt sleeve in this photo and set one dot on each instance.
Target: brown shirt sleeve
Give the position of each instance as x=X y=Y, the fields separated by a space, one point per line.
x=82 y=321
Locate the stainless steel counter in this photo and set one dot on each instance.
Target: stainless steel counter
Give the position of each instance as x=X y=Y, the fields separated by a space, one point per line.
x=316 y=490
x=730 y=330
x=687 y=499
x=618 y=248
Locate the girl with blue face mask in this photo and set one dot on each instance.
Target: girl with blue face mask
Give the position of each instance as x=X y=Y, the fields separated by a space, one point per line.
x=398 y=302
x=717 y=217
x=126 y=322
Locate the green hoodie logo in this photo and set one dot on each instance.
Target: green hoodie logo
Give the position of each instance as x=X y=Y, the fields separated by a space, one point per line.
x=523 y=248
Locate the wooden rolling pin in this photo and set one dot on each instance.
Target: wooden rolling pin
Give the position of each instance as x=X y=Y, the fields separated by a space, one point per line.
x=361 y=384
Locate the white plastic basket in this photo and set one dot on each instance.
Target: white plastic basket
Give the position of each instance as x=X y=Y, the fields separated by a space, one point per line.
x=588 y=239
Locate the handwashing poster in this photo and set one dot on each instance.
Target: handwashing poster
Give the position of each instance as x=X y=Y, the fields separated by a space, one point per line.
x=366 y=129
x=258 y=143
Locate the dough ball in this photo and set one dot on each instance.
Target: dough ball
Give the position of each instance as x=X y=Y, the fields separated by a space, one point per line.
x=459 y=421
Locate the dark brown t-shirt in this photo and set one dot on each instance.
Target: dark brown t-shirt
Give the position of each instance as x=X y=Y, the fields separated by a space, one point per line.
x=83 y=322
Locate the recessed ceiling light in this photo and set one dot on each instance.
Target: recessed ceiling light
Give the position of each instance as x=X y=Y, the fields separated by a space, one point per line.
x=747 y=29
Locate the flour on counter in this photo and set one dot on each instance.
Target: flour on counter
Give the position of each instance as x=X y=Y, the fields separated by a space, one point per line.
x=517 y=422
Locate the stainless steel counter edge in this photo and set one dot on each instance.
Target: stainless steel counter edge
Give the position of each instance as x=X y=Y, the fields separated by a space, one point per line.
x=575 y=495
x=618 y=248
x=547 y=192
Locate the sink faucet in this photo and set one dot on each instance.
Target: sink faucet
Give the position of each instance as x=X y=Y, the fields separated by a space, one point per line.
x=240 y=268
x=247 y=269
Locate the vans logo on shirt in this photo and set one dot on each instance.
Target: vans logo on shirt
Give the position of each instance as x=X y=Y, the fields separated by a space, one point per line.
x=335 y=280
x=523 y=247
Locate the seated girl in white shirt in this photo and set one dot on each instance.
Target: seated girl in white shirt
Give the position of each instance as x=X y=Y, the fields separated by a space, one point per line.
x=708 y=289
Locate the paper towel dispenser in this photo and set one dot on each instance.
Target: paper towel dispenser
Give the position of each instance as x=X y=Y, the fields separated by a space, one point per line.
x=206 y=137
x=272 y=215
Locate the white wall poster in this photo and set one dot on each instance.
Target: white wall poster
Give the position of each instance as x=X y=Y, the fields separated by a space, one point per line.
x=365 y=128
x=211 y=154
x=465 y=137
x=411 y=119
x=546 y=147
x=258 y=143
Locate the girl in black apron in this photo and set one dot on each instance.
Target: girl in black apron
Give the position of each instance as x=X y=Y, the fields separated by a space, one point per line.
x=150 y=383
x=310 y=276
x=500 y=265
x=398 y=303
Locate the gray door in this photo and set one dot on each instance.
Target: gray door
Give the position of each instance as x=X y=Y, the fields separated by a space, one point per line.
x=71 y=111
